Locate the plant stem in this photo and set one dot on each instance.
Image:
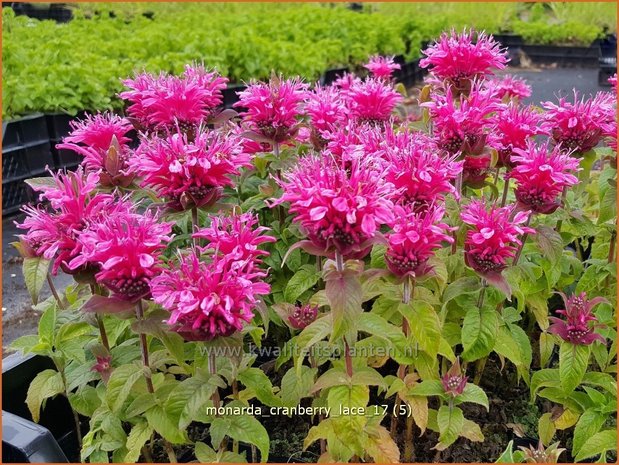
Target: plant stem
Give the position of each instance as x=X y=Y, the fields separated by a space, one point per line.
x=407 y=291
x=76 y=417
x=408 y=440
x=505 y=191
x=348 y=358
x=611 y=250
x=146 y=454
x=459 y=185
x=481 y=363
x=54 y=292
x=212 y=367
x=195 y=224
x=563 y=198
x=100 y=324
x=280 y=208
x=524 y=239
x=139 y=310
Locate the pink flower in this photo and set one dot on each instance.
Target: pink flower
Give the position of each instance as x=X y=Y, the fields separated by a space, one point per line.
x=415 y=237
x=578 y=314
x=458 y=58
x=493 y=238
x=75 y=205
x=578 y=127
x=514 y=126
x=467 y=127
x=207 y=300
x=127 y=246
x=340 y=208
x=345 y=82
x=326 y=112
x=541 y=174
x=372 y=100
x=236 y=237
x=475 y=171
x=381 y=67
x=102 y=141
x=420 y=174
x=272 y=108
x=613 y=82
x=511 y=87
x=165 y=101
x=103 y=366
x=303 y=316
x=454 y=381
x=190 y=173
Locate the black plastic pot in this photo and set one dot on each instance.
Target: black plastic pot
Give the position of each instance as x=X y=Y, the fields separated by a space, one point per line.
x=230 y=94
x=14 y=195
x=10 y=134
x=17 y=373
x=39 y=158
x=509 y=40
x=64 y=158
x=58 y=124
x=14 y=164
x=33 y=128
x=582 y=57
x=332 y=75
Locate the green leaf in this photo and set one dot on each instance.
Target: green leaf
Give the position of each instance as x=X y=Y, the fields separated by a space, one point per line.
x=588 y=425
x=119 y=385
x=429 y=387
x=573 y=361
x=546 y=347
x=548 y=377
x=161 y=422
x=546 y=428
x=549 y=242
x=332 y=377
x=310 y=335
x=204 y=453
x=479 y=331
x=608 y=205
x=304 y=279
x=259 y=382
x=348 y=397
x=46 y=384
x=474 y=394
x=140 y=433
x=345 y=296
x=468 y=285
x=424 y=324
x=507 y=456
x=598 y=444
x=47 y=325
x=245 y=428
x=450 y=423
x=295 y=386
x=35 y=273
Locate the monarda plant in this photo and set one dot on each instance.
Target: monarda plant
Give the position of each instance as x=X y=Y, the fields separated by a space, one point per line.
x=405 y=255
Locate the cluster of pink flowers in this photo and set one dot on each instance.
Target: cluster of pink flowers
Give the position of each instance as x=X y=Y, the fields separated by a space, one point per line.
x=103 y=142
x=511 y=87
x=216 y=297
x=494 y=237
x=382 y=67
x=577 y=327
x=190 y=173
x=167 y=101
x=372 y=101
x=541 y=173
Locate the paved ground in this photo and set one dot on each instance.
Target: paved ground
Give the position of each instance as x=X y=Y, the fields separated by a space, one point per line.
x=17 y=316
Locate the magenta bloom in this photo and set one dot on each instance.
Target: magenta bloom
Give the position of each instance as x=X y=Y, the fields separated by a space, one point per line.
x=511 y=87
x=372 y=101
x=493 y=238
x=75 y=205
x=576 y=327
x=303 y=316
x=236 y=237
x=420 y=174
x=613 y=82
x=190 y=173
x=579 y=126
x=414 y=240
x=165 y=101
x=514 y=127
x=454 y=381
x=102 y=141
x=340 y=208
x=464 y=128
x=127 y=246
x=207 y=300
x=272 y=108
x=475 y=171
x=541 y=174
x=381 y=67
x=326 y=112
x=460 y=58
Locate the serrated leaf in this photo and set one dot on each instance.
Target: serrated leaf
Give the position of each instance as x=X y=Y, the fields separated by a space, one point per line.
x=479 y=330
x=588 y=425
x=204 y=453
x=472 y=431
x=450 y=423
x=424 y=324
x=119 y=385
x=597 y=444
x=429 y=387
x=345 y=295
x=573 y=361
x=35 y=274
x=46 y=384
x=304 y=279
x=161 y=422
x=381 y=447
x=245 y=428
x=546 y=347
x=295 y=386
x=259 y=382
x=467 y=285
x=549 y=242
x=140 y=433
x=310 y=335
x=474 y=394
x=546 y=428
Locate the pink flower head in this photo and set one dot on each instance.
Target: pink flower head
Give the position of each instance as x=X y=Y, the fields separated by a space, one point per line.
x=541 y=174
x=493 y=238
x=454 y=381
x=165 y=101
x=372 y=100
x=75 y=205
x=207 y=300
x=102 y=141
x=272 y=108
x=576 y=327
x=236 y=237
x=578 y=127
x=381 y=67
x=103 y=366
x=127 y=246
x=345 y=82
x=326 y=112
x=511 y=87
x=613 y=82
x=420 y=174
x=415 y=237
x=339 y=207
x=475 y=171
x=467 y=127
x=514 y=127
x=190 y=173
x=461 y=58
x=303 y=316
